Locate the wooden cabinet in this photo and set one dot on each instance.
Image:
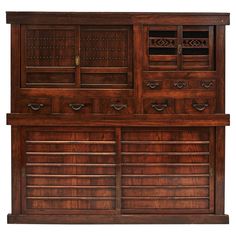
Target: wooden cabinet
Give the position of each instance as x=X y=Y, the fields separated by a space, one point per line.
x=117 y=117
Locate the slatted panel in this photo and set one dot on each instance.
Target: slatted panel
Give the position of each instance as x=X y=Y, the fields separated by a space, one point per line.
x=165 y=168
x=70 y=170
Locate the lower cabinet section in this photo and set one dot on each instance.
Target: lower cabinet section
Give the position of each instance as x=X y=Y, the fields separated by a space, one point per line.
x=106 y=170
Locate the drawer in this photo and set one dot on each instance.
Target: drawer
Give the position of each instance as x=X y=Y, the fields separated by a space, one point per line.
x=178 y=85
x=34 y=105
x=117 y=106
x=77 y=105
x=159 y=105
x=199 y=105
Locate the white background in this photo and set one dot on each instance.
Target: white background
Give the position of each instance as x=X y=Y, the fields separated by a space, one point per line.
x=117 y=5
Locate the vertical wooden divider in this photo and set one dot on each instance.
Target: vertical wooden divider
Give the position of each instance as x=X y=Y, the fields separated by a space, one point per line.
x=138 y=65
x=118 y=170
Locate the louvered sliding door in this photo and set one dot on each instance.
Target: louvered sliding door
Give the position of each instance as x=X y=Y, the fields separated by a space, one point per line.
x=69 y=170
x=118 y=170
x=167 y=170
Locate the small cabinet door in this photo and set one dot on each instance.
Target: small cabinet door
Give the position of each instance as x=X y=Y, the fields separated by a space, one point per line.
x=179 y=48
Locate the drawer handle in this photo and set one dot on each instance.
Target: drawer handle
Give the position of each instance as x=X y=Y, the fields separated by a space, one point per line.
x=153 y=85
x=200 y=106
x=180 y=84
x=118 y=107
x=160 y=106
x=76 y=106
x=207 y=84
x=35 y=106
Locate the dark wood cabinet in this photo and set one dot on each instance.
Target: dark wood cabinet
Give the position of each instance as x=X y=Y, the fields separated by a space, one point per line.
x=118 y=117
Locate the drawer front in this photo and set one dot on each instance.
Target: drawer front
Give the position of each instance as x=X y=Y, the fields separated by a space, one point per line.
x=77 y=105
x=159 y=106
x=34 y=105
x=178 y=85
x=117 y=106
x=199 y=105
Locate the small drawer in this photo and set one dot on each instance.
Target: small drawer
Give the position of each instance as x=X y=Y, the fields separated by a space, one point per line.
x=152 y=85
x=117 y=106
x=77 y=105
x=34 y=105
x=159 y=106
x=199 y=105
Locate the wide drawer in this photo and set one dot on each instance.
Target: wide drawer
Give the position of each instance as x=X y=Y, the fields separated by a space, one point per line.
x=34 y=105
x=77 y=105
x=117 y=106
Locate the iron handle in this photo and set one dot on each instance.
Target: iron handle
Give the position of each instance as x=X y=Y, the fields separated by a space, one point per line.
x=180 y=84
x=76 y=106
x=118 y=107
x=206 y=84
x=153 y=84
x=35 y=106
x=160 y=106
x=200 y=106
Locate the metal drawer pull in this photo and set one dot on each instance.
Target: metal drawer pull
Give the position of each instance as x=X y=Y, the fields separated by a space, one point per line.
x=200 y=106
x=160 y=106
x=118 y=107
x=76 y=107
x=180 y=84
x=35 y=106
x=153 y=84
x=206 y=84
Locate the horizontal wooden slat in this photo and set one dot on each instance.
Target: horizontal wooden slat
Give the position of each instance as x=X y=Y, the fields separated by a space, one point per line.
x=70 y=142
x=70 y=180
x=70 y=136
x=166 y=153
x=164 y=142
x=69 y=192
x=166 y=192
x=72 y=170
x=69 y=148
x=70 y=204
x=165 y=180
x=165 y=204
x=72 y=153
x=72 y=159
x=165 y=170
x=165 y=148
x=165 y=159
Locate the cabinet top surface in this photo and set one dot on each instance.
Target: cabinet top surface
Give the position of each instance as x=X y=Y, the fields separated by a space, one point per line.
x=127 y=17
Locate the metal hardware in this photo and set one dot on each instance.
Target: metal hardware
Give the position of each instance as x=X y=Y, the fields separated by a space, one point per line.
x=179 y=49
x=153 y=84
x=76 y=106
x=118 y=107
x=77 y=60
x=35 y=106
x=160 y=106
x=180 y=84
x=200 y=106
x=206 y=84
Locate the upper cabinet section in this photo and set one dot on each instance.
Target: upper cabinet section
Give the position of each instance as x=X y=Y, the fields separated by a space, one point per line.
x=76 y=56
x=169 y=48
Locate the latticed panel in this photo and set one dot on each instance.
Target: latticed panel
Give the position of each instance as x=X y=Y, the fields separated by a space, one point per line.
x=50 y=47
x=104 y=46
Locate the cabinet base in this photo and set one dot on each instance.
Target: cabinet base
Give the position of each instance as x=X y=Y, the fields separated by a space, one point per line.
x=118 y=219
